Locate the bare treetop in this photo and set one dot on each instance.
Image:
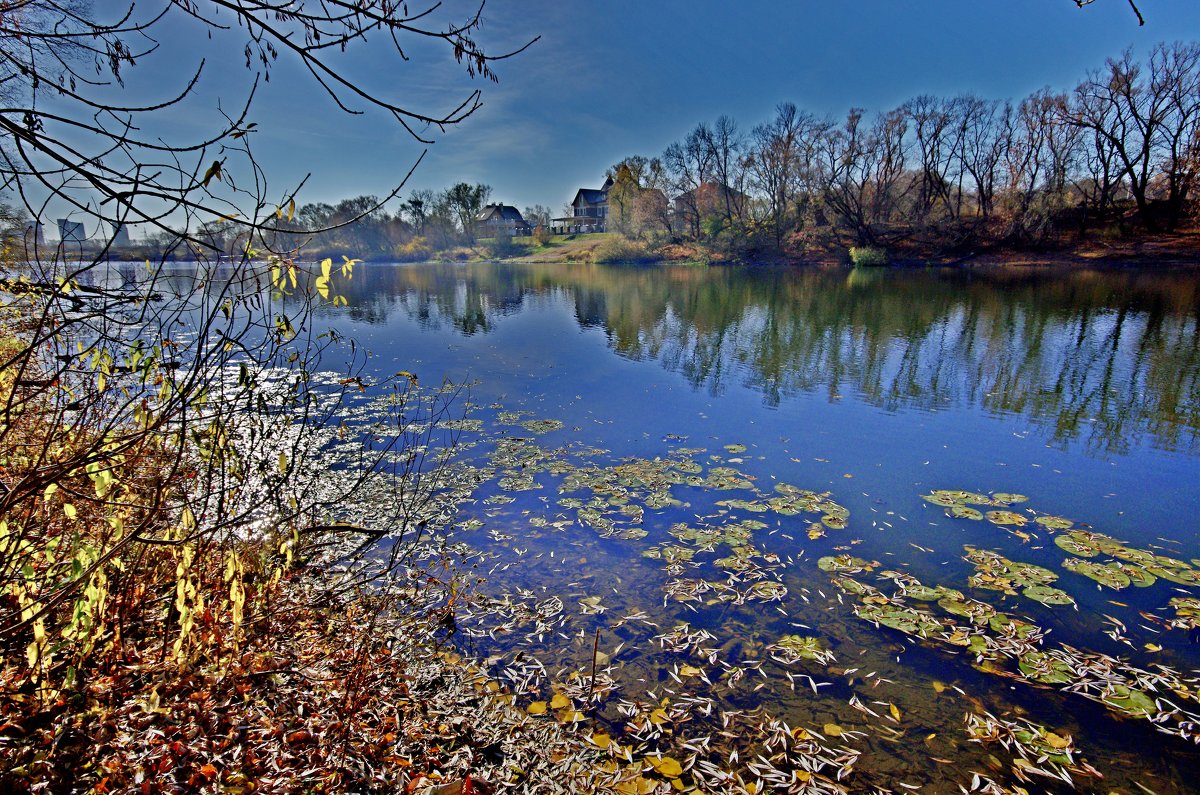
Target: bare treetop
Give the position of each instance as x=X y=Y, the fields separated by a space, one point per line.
x=64 y=62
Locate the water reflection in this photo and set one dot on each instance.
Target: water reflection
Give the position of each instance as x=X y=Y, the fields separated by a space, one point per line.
x=1108 y=358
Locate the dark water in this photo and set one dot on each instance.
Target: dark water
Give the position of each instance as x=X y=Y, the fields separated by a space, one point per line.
x=1077 y=389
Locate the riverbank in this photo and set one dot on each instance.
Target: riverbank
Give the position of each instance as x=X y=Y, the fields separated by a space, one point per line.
x=1166 y=250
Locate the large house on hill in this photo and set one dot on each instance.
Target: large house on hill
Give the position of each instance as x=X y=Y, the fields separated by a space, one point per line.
x=500 y=220
x=589 y=212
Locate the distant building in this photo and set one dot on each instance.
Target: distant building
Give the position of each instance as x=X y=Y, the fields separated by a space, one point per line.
x=500 y=219
x=120 y=235
x=70 y=231
x=589 y=212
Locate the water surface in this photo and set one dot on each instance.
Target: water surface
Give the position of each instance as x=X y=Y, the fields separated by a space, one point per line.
x=1079 y=390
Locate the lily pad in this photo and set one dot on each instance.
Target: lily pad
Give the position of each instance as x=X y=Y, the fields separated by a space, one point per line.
x=1047 y=595
x=1076 y=545
x=1130 y=700
x=1007 y=518
x=1042 y=667
x=1110 y=576
x=792 y=648
x=964 y=512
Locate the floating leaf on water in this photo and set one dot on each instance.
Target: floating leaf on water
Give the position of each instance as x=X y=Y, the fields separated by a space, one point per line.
x=560 y=701
x=767 y=591
x=665 y=766
x=833 y=730
x=1177 y=576
x=1047 y=595
x=1077 y=545
x=964 y=512
x=852 y=586
x=736 y=448
x=518 y=483
x=1136 y=574
x=461 y=425
x=977 y=612
x=600 y=739
x=536 y=708
x=924 y=593
x=1005 y=498
x=793 y=648
x=846 y=564
x=1130 y=701
x=660 y=499
x=542 y=426
x=510 y=417
x=1007 y=625
x=1110 y=576
x=1054 y=522
x=834 y=522
x=1007 y=518
x=1042 y=667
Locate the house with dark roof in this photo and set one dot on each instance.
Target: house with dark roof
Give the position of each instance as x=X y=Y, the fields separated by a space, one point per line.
x=500 y=220
x=589 y=212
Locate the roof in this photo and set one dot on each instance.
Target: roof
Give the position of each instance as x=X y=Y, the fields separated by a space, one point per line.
x=501 y=212
x=591 y=196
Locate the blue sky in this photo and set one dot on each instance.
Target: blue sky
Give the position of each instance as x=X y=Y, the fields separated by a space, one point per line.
x=610 y=79
x=626 y=77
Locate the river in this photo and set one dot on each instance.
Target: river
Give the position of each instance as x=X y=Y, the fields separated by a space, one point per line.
x=813 y=495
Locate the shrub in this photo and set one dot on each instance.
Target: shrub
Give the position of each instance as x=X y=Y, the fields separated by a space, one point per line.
x=868 y=256
x=619 y=250
x=502 y=247
x=415 y=250
x=541 y=235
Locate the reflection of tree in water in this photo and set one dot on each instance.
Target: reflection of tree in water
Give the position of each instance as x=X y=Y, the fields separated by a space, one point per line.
x=1106 y=357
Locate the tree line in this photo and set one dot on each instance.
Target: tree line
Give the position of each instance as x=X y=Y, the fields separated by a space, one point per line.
x=426 y=223
x=1119 y=151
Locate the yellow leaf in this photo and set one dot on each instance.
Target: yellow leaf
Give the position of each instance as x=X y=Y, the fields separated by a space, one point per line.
x=536 y=708
x=282 y=464
x=892 y=708
x=601 y=740
x=69 y=510
x=1055 y=741
x=665 y=766
x=833 y=730
x=690 y=670
x=938 y=686
x=559 y=701
x=1153 y=647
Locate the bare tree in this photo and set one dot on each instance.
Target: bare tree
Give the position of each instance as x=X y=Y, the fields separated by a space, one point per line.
x=690 y=166
x=781 y=161
x=1148 y=116
x=981 y=147
x=170 y=409
x=1141 y=20
x=865 y=172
